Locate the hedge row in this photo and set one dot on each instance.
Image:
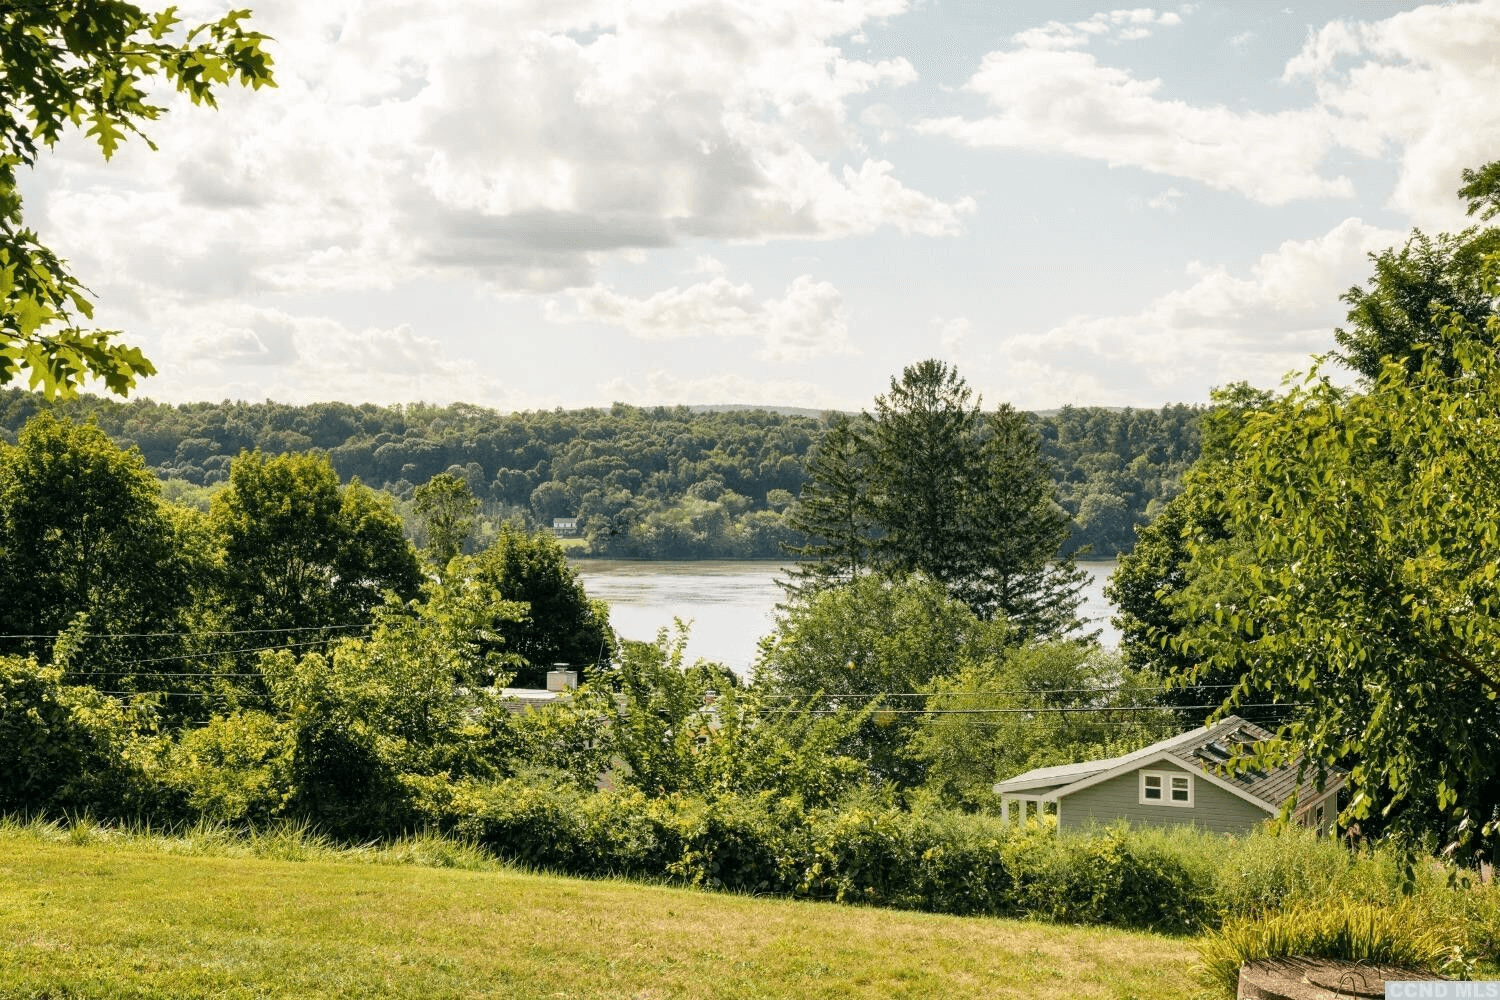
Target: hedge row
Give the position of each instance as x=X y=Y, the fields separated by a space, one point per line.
x=866 y=853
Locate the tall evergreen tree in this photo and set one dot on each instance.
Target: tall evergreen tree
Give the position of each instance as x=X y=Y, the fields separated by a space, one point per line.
x=833 y=512
x=931 y=484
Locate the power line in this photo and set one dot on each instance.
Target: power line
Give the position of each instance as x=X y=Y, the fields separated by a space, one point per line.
x=220 y=652
x=162 y=673
x=168 y=635
x=1040 y=709
x=1102 y=689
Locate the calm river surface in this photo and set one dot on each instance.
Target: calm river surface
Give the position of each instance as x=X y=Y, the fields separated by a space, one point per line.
x=730 y=603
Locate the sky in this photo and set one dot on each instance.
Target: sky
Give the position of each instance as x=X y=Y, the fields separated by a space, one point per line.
x=527 y=204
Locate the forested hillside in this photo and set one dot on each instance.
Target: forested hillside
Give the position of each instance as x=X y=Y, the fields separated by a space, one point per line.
x=644 y=482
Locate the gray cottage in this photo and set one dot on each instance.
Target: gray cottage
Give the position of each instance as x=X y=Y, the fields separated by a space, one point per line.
x=1180 y=780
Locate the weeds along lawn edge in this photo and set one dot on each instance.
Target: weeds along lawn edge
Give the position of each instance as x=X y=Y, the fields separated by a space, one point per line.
x=1178 y=882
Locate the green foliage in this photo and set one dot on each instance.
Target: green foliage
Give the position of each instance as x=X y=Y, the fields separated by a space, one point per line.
x=932 y=485
x=1031 y=706
x=82 y=533
x=694 y=729
x=1116 y=468
x=375 y=717
x=559 y=624
x=844 y=646
x=1417 y=290
x=1412 y=292
x=1148 y=588
x=301 y=552
x=236 y=769
x=71 y=749
x=1357 y=932
x=86 y=66
x=1110 y=875
x=645 y=483
x=833 y=511
x=1360 y=583
x=1482 y=190
x=445 y=508
x=866 y=851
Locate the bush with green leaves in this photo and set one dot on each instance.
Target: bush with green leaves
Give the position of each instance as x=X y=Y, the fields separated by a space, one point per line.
x=236 y=769
x=73 y=749
x=1110 y=875
x=376 y=712
x=695 y=729
x=1401 y=935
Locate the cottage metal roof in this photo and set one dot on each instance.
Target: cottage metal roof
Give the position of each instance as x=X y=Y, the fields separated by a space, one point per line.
x=1205 y=749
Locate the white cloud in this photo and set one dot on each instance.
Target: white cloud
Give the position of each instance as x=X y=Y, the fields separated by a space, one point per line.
x=1115 y=25
x=517 y=142
x=661 y=388
x=1166 y=201
x=953 y=334
x=808 y=321
x=1421 y=82
x=1055 y=101
x=258 y=353
x=1219 y=328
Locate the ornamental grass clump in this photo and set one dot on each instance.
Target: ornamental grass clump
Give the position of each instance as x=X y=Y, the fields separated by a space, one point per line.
x=1402 y=935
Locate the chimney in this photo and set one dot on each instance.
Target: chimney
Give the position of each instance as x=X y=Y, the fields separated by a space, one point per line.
x=561 y=679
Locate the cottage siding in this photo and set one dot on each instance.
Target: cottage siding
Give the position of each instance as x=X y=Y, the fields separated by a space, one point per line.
x=1119 y=798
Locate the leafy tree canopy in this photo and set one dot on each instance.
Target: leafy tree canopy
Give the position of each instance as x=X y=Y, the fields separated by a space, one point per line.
x=445 y=506
x=560 y=623
x=1359 y=581
x=82 y=533
x=86 y=65
x=1416 y=289
x=302 y=552
x=869 y=638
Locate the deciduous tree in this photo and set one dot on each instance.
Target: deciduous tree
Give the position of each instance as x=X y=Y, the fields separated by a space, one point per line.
x=446 y=506
x=1419 y=288
x=1359 y=581
x=83 y=532
x=303 y=553
x=560 y=623
x=86 y=64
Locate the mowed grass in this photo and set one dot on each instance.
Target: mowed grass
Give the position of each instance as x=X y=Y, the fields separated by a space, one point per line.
x=124 y=919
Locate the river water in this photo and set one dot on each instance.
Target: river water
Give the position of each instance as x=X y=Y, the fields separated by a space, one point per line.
x=731 y=603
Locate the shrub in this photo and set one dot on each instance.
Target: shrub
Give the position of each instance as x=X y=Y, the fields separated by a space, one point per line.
x=861 y=853
x=1109 y=875
x=960 y=867
x=732 y=842
x=1400 y=935
x=73 y=749
x=234 y=770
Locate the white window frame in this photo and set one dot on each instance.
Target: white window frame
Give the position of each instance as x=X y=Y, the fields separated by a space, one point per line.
x=1166 y=779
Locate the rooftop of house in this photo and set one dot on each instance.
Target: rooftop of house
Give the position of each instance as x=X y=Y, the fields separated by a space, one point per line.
x=1207 y=748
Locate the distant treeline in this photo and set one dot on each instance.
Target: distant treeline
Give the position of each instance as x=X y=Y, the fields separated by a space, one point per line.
x=662 y=482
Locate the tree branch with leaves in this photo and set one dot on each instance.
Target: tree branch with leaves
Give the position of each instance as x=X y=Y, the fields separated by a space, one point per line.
x=86 y=65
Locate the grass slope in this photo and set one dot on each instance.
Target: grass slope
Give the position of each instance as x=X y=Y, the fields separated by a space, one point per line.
x=127 y=919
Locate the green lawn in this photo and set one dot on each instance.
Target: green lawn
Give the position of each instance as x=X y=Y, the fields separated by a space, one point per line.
x=127 y=919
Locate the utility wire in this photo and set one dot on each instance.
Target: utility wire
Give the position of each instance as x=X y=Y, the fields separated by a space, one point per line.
x=1040 y=709
x=1105 y=688
x=219 y=652
x=167 y=635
